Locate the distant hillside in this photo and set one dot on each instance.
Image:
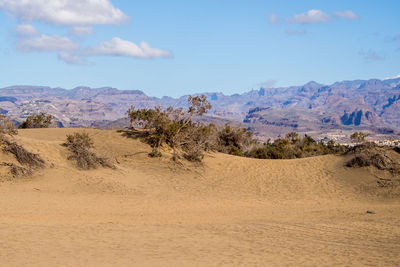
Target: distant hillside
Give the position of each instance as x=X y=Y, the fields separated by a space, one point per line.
x=372 y=104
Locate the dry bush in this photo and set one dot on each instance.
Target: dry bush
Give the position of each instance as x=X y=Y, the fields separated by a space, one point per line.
x=28 y=160
x=194 y=140
x=376 y=160
x=369 y=154
x=22 y=155
x=358 y=137
x=293 y=146
x=174 y=128
x=41 y=120
x=234 y=140
x=80 y=145
x=16 y=170
x=6 y=126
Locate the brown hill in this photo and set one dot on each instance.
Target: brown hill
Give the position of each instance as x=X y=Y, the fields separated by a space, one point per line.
x=227 y=211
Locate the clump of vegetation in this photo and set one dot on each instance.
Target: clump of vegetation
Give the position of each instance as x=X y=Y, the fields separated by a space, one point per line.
x=28 y=160
x=41 y=120
x=358 y=137
x=23 y=156
x=369 y=154
x=175 y=128
x=6 y=126
x=293 y=146
x=234 y=140
x=81 y=145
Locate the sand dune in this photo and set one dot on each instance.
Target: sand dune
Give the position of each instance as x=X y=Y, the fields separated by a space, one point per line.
x=227 y=211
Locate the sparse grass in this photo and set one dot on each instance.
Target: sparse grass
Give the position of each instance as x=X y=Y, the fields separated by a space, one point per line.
x=80 y=145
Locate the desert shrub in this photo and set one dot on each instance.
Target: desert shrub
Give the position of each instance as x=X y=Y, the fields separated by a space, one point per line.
x=41 y=120
x=369 y=154
x=16 y=170
x=188 y=139
x=234 y=140
x=358 y=137
x=80 y=145
x=22 y=155
x=6 y=126
x=365 y=161
x=293 y=146
x=28 y=160
x=175 y=128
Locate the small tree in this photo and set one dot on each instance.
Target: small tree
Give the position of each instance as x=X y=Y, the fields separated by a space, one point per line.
x=358 y=137
x=41 y=120
x=174 y=127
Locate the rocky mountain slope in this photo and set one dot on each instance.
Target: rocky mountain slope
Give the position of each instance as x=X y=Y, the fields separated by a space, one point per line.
x=310 y=107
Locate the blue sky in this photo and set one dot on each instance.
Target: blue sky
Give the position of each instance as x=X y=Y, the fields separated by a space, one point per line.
x=180 y=47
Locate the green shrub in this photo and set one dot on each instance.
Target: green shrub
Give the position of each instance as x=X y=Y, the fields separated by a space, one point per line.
x=41 y=120
x=234 y=140
x=293 y=146
x=358 y=137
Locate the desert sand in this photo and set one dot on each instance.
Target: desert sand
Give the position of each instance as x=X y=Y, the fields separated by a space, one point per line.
x=228 y=211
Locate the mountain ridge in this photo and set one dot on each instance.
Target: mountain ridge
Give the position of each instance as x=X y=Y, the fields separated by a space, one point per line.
x=358 y=103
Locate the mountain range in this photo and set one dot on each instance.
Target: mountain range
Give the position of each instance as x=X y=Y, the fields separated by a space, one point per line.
x=347 y=105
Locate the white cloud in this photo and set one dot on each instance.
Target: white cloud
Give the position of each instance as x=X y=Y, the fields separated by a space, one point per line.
x=295 y=32
x=120 y=47
x=70 y=57
x=65 y=12
x=346 y=14
x=80 y=16
x=310 y=17
x=47 y=43
x=26 y=29
x=71 y=53
x=393 y=77
x=273 y=19
x=81 y=30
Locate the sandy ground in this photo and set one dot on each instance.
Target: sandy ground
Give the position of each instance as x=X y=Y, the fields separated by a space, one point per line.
x=228 y=211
